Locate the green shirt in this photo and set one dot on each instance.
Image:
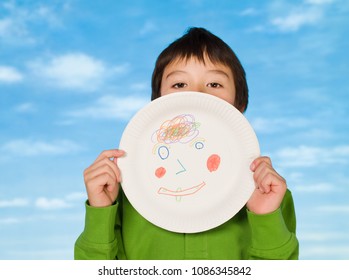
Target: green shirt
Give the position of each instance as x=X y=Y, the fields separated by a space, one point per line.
x=120 y=232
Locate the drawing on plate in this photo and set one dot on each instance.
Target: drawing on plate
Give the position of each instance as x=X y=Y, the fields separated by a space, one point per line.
x=180 y=130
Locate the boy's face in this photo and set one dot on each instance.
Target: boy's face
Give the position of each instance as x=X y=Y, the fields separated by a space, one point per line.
x=194 y=75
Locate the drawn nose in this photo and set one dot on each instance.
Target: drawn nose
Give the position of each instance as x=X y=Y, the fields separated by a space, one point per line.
x=181 y=167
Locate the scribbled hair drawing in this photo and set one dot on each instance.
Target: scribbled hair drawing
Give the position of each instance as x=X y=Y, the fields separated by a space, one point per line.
x=180 y=129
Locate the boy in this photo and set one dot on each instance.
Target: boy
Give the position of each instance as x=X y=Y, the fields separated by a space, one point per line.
x=263 y=229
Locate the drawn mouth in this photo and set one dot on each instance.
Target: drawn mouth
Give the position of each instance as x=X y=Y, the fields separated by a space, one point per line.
x=181 y=192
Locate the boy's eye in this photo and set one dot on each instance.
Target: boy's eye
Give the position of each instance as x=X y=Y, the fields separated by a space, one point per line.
x=179 y=85
x=214 y=85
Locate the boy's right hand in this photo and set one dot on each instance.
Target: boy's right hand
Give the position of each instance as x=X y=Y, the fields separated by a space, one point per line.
x=102 y=179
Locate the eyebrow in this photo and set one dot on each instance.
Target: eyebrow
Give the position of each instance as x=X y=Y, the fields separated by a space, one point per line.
x=174 y=72
x=219 y=72
x=215 y=71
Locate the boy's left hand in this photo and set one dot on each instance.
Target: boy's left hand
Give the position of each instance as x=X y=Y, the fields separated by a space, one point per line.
x=270 y=187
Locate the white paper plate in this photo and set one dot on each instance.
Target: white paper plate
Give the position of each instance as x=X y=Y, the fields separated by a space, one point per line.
x=187 y=161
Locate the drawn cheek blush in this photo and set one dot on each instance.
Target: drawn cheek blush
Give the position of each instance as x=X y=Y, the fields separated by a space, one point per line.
x=213 y=162
x=160 y=172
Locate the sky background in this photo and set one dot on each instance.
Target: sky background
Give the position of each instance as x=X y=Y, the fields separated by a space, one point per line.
x=73 y=72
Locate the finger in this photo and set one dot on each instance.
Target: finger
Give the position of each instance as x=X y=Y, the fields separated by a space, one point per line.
x=266 y=182
x=101 y=163
x=103 y=180
x=110 y=154
x=118 y=174
x=100 y=171
x=103 y=170
x=105 y=162
x=269 y=180
x=260 y=171
x=263 y=159
x=263 y=177
x=111 y=188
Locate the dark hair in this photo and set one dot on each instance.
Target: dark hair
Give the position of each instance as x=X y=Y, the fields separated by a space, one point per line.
x=198 y=42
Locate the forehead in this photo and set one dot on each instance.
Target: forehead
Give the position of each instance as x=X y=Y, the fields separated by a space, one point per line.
x=185 y=59
x=206 y=62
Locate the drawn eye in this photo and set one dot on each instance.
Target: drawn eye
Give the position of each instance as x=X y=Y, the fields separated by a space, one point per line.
x=163 y=152
x=199 y=145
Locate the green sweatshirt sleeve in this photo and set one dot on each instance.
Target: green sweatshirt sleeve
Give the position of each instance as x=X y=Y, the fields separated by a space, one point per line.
x=98 y=240
x=272 y=237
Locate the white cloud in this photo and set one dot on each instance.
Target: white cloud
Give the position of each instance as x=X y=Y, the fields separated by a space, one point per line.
x=307 y=156
x=77 y=71
x=43 y=203
x=51 y=253
x=60 y=203
x=325 y=252
x=48 y=15
x=17 y=21
x=285 y=16
x=139 y=86
x=70 y=71
x=338 y=209
x=111 y=107
x=249 y=12
x=9 y=74
x=147 y=28
x=7 y=221
x=268 y=125
x=297 y=19
x=12 y=30
x=51 y=203
x=319 y=2
x=315 y=236
x=16 y=202
x=76 y=196
x=316 y=188
x=315 y=133
x=25 y=108
x=27 y=148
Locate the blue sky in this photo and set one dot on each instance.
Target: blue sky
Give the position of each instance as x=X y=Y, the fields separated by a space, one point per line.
x=73 y=72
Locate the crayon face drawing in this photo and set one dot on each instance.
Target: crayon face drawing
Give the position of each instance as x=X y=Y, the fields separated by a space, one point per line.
x=181 y=132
